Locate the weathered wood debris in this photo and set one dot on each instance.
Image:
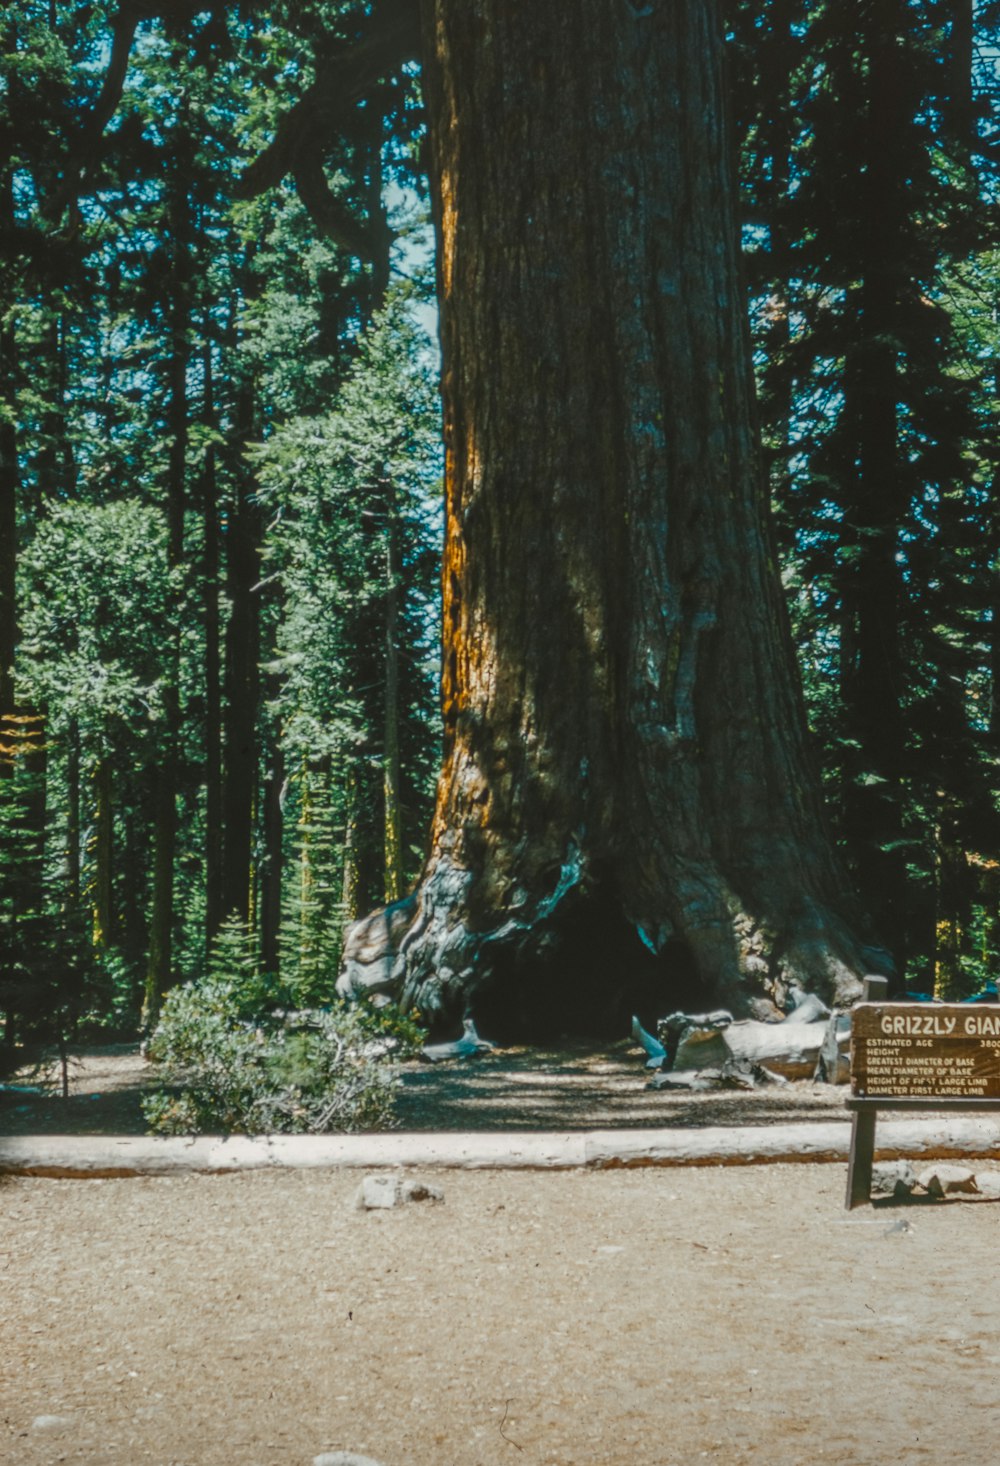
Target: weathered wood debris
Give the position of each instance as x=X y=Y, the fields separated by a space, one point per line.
x=466 y=1047
x=697 y=1051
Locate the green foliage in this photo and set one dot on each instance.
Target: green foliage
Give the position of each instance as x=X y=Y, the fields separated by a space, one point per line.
x=226 y=451
x=297 y=1072
x=866 y=169
x=49 y=980
x=335 y=483
x=242 y=1054
x=98 y=603
x=153 y=327
x=313 y=914
x=354 y=502
x=234 y=968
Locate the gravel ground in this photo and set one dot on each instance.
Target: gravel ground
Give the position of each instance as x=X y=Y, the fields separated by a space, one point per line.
x=652 y=1318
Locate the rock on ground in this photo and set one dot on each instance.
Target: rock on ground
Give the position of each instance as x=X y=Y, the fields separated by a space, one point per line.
x=379 y=1193
x=944 y=1180
x=894 y=1178
x=989 y=1184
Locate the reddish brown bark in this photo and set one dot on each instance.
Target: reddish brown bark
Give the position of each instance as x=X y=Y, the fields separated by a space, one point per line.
x=626 y=805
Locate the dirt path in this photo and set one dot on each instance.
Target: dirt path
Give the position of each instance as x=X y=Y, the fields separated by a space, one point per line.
x=653 y=1318
x=573 y=1087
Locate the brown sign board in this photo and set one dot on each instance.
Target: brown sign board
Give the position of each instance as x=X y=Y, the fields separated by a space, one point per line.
x=933 y=1051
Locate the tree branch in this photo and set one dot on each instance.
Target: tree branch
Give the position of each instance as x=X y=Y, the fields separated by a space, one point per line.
x=391 y=37
x=328 y=212
x=83 y=144
x=126 y=22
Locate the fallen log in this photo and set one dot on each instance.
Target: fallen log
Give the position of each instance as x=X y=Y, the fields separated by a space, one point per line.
x=103 y=1156
x=711 y=1040
x=789 y=1049
x=809 y=1008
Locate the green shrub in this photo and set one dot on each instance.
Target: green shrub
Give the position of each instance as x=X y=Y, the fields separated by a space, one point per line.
x=303 y=1072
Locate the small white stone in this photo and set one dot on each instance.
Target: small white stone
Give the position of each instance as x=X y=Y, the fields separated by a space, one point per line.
x=51 y=1422
x=377 y=1193
x=344 y=1458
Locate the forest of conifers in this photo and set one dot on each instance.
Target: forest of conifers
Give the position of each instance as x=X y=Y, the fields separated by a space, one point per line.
x=220 y=504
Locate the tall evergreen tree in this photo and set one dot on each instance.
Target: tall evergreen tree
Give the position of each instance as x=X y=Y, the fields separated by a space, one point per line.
x=858 y=202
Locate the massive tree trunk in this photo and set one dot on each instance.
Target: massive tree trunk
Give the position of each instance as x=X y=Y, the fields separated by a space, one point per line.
x=626 y=809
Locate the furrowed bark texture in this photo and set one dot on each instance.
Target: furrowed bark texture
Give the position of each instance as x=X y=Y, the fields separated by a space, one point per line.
x=626 y=805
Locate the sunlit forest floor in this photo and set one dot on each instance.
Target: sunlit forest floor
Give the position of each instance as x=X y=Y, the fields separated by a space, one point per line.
x=581 y=1318
x=575 y=1086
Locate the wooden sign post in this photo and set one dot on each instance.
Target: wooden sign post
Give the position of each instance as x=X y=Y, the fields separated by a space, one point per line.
x=916 y=1056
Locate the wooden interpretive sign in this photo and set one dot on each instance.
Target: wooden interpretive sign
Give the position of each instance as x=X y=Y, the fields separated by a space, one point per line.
x=916 y=1056
x=925 y=1051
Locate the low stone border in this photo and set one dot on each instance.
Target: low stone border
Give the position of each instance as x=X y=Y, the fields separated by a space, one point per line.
x=100 y=1155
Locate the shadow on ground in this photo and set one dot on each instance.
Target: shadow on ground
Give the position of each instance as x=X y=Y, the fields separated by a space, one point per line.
x=578 y=1087
x=573 y=1086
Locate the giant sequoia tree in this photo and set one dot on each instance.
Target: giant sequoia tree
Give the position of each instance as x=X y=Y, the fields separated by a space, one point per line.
x=627 y=798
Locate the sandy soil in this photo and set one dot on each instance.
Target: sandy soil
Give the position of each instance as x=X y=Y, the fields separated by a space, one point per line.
x=615 y=1318
x=654 y=1318
x=573 y=1087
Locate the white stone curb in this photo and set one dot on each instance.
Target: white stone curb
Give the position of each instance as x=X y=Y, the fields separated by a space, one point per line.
x=102 y=1155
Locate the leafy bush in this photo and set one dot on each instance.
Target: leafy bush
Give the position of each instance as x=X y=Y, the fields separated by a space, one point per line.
x=292 y=1071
